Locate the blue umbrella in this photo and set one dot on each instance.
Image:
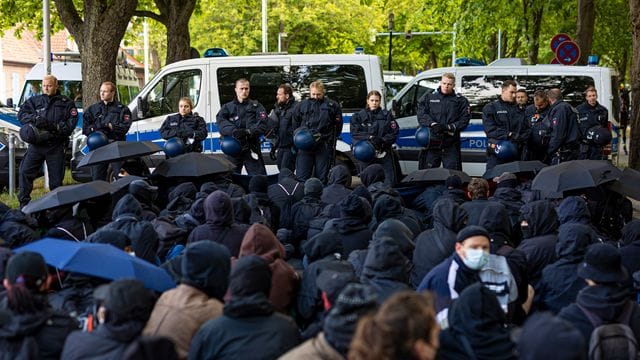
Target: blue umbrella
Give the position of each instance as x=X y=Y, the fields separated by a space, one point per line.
x=100 y=260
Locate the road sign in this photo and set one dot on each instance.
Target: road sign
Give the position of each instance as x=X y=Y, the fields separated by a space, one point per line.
x=555 y=61
x=558 y=39
x=568 y=53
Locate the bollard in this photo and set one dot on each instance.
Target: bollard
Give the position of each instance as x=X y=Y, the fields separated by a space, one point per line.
x=12 y=165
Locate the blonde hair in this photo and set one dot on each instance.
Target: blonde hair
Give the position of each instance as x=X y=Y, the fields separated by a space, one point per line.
x=478 y=188
x=187 y=100
x=50 y=78
x=318 y=85
x=449 y=75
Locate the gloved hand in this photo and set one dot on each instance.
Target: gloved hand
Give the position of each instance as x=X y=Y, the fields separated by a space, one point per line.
x=272 y=153
x=451 y=128
x=437 y=128
x=41 y=122
x=239 y=134
x=376 y=141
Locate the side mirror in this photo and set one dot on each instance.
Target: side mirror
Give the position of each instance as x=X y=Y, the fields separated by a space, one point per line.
x=395 y=106
x=10 y=102
x=142 y=108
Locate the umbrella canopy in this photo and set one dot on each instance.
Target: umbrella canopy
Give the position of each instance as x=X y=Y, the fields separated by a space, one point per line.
x=437 y=174
x=628 y=184
x=119 y=150
x=514 y=167
x=576 y=174
x=193 y=165
x=99 y=260
x=124 y=182
x=69 y=194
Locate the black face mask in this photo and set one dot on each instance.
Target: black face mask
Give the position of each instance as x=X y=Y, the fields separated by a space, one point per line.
x=526 y=232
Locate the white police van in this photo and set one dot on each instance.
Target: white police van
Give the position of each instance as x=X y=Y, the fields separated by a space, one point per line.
x=482 y=84
x=210 y=83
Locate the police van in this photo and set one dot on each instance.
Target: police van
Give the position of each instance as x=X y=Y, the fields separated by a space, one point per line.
x=210 y=83
x=482 y=84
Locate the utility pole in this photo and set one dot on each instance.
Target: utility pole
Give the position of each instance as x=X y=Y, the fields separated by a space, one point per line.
x=391 y=20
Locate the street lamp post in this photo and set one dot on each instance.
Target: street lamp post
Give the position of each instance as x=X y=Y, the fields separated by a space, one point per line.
x=391 y=18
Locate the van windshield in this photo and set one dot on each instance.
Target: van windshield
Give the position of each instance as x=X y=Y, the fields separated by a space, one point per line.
x=70 y=88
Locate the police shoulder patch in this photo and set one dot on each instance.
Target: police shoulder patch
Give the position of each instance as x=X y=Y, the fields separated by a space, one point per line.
x=74 y=111
x=394 y=125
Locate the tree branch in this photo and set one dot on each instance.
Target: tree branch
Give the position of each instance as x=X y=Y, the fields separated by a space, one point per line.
x=73 y=21
x=150 y=14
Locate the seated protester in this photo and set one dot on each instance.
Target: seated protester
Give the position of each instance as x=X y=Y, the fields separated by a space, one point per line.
x=355 y=301
x=16 y=228
x=263 y=210
x=560 y=284
x=126 y=218
x=112 y=237
x=476 y=328
x=122 y=316
x=539 y=224
x=384 y=269
x=435 y=245
x=192 y=218
x=507 y=195
x=151 y=347
x=362 y=191
x=225 y=183
x=478 y=192
x=63 y=224
x=460 y=270
x=322 y=254
x=373 y=178
x=404 y=327
x=146 y=196
x=605 y=300
x=205 y=189
x=219 y=226
x=338 y=186
x=249 y=328
x=286 y=192
x=388 y=207
x=29 y=328
x=453 y=191
x=180 y=199
x=392 y=229
x=241 y=211
x=305 y=210
x=180 y=312
x=319 y=223
x=352 y=225
x=259 y=240
x=574 y=210
x=545 y=336
x=630 y=250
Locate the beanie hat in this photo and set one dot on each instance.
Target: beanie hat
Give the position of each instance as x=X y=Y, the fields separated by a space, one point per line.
x=470 y=231
x=313 y=186
x=352 y=206
x=27 y=268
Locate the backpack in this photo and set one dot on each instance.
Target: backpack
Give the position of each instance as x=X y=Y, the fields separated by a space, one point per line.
x=260 y=214
x=612 y=341
x=285 y=210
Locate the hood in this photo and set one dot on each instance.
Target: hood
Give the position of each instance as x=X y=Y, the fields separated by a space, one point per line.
x=387 y=207
x=573 y=240
x=508 y=194
x=448 y=214
x=631 y=232
x=574 y=210
x=541 y=217
x=322 y=245
x=197 y=211
x=127 y=206
x=372 y=174
x=385 y=261
x=186 y=189
x=20 y=325
x=353 y=206
x=260 y=240
x=206 y=265
x=114 y=237
x=218 y=209
x=399 y=232
x=250 y=275
x=241 y=211
x=362 y=191
x=606 y=301
x=285 y=174
x=495 y=219
x=208 y=187
x=340 y=175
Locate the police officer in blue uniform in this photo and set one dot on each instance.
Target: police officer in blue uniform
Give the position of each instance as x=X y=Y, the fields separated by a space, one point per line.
x=446 y=114
x=564 y=140
x=53 y=116
x=591 y=116
x=186 y=126
x=502 y=120
x=377 y=126
x=537 y=116
x=281 y=128
x=110 y=117
x=322 y=116
x=245 y=120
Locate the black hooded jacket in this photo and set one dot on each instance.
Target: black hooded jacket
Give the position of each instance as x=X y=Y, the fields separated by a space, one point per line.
x=337 y=189
x=435 y=245
x=630 y=251
x=351 y=226
x=108 y=341
x=17 y=229
x=511 y=198
x=302 y=213
x=388 y=207
x=575 y=209
x=384 y=269
x=287 y=187
x=180 y=199
x=67 y=226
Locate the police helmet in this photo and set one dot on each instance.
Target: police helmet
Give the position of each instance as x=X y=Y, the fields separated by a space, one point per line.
x=174 y=147
x=97 y=139
x=364 y=151
x=29 y=134
x=599 y=135
x=423 y=136
x=230 y=146
x=505 y=150
x=304 y=139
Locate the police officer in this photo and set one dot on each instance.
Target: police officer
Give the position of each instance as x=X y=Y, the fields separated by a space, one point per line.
x=564 y=140
x=502 y=120
x=186 y=126
x=446 y=114
x=522 y=99
x=591 y=116
x=377 y=125
x=540 y=124
x=282 y=128
x=54 y=117
x=246 y=121
x=322 y=116
x=110 y=117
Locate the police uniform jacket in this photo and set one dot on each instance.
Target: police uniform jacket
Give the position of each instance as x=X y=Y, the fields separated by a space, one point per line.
x=98 y=116
x=377 y=123
x=503 y=121
x=185 y=127
x=323 y=116
x=564 y=126
x=282 y=123
x=248 y=115
x=591 y=116
x=56 y=114
x=451 y=109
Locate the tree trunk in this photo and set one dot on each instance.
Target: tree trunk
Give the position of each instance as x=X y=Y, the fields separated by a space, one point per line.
x=98 y=36
x=634 y=150
x=433 y=59
x=585 y=27
x=532 y=9
x=178 y=37
x=622 y=66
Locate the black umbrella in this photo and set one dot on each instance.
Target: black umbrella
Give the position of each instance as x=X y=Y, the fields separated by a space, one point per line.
x=628 y=184
x=124 y=182
x=193 y=165
x=577 y=174
x=69 y=194
x=437 y=174
x=514 y=167
x=119 y=150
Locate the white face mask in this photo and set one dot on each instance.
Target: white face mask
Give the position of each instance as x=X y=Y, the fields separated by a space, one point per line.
x=475 y=259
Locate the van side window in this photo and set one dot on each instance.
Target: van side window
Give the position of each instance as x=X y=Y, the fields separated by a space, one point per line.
x=409 y=101
x=264 y=83
x=481 y=90
x=163 y=98
x=346 y=84
x=572 y=87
